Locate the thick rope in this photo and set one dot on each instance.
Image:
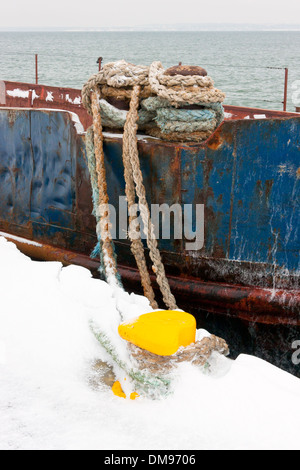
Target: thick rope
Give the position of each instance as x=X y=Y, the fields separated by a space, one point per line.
x=130 y=146
x=198 y=353
x=91 y=161
x=160 y=117
x=177 y=90
x=161 y=96
x=116 y=118
x=116 y=76
x=137 y=247
x=182 y=96
x=104 y=226
x=123 y=93
x=179 y=136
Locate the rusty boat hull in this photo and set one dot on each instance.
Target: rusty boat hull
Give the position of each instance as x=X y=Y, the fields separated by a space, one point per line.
x=243 y=285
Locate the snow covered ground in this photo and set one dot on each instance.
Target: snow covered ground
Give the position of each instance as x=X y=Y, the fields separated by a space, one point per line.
x=51 y=395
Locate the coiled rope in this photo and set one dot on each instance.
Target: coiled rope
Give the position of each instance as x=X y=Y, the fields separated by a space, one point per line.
x=160 y=97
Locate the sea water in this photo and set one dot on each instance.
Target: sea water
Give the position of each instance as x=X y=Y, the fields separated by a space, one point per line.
x=237 y=61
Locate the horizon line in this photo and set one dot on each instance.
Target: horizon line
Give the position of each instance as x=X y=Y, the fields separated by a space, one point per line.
x=161 y=27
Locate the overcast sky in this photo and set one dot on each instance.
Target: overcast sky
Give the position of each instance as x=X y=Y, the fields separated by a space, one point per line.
x=106 y=13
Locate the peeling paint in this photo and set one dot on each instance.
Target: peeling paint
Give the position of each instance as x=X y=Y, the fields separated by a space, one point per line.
x=76 y=100
x=18 y=93
x=288 y=168
x=50 y=96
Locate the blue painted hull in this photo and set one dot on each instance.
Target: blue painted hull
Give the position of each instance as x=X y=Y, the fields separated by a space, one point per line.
x=246 y=175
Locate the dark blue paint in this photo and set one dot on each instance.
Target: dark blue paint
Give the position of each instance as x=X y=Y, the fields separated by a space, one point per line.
x=16 y=166
x=246 y=178
x=266 y=194
x=53 y=182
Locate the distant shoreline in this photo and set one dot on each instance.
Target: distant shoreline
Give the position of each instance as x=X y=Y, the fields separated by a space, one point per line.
x=187 y=28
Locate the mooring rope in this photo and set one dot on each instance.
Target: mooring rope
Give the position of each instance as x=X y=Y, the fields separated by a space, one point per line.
x=131 y=150
x=103 y=226
x=137 y=247
x=189 y=90
x=154 y=102
x=166 y=94
x=154 y=105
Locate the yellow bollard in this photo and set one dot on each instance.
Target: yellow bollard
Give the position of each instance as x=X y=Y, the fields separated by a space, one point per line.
x=162 y=332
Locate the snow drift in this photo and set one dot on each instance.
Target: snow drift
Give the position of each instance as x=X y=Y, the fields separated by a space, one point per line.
x=53 y=397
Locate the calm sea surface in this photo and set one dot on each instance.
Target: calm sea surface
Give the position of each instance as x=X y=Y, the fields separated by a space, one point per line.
x=236 y=60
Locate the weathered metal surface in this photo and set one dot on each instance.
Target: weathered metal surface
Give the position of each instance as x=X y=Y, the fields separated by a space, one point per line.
x=186 y=70
x=246 y=303
x=248 y=187
x=27 y=95
x=37 y=173
x=239 y=112
x=246 y=175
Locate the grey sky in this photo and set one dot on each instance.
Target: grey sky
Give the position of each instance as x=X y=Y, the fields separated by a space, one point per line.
x=105 y=13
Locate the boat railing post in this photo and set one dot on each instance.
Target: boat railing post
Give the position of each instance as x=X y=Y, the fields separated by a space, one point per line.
x=99 y=61
x=286 y=77
x=36 y=70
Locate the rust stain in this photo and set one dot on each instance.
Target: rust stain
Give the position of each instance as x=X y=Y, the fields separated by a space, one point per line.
x=220 y=136
x=259 y=189
x=229 y=135
x=268 y=188
x=215 y=142
x=12 y=116
x=237 y=301
x=186 y=70
x=175 y=165
x=298 y=174
x=220 y=199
